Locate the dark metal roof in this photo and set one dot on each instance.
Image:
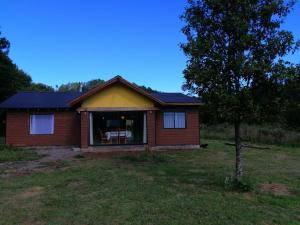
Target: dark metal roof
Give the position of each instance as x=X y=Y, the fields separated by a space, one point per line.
x=175 y=98
x=31 y=100
x=47 y=100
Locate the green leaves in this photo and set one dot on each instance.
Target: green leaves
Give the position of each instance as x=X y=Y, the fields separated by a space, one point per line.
x=232 y=47
x=4 y=45
x=12 y=79
x=75 y=86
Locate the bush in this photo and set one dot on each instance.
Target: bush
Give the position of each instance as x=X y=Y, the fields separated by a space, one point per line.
x=232 y=184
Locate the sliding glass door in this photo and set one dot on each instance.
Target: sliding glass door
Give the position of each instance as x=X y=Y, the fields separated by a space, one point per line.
x=117 y=128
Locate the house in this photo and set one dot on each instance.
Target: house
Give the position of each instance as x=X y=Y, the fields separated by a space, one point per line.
x=114 y=113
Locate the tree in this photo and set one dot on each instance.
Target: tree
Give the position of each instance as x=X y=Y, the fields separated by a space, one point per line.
x=92 y=83
x=75 y=86
x=4 y=45
x=39 y=87
x=291 y=95
x=147 y=89
x=12 y=79
x=86 y=86
x=71 y=86
x=232 y=47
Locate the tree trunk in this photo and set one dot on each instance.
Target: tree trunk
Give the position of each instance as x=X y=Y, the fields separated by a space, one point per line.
x=238 y=148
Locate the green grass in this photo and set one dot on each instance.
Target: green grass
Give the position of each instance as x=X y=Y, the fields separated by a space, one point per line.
x=172 y=188
x=12 y=154
x=263 y=134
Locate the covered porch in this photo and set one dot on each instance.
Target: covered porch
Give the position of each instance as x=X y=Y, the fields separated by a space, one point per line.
x=117 y=128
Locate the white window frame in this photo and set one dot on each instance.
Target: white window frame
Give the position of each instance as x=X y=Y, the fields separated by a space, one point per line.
x=174 y=118
x=51 y=129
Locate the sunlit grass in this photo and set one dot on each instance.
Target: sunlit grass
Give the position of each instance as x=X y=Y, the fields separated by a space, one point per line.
x=171 y=188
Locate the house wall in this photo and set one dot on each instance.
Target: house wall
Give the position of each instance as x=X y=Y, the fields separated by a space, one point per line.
x=117 y=96
x=185 y=136
x=151 y=136
x=66 y=129
x=71 y=128
x=84 y=129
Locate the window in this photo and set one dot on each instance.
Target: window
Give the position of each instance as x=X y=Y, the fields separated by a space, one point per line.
x=174 y=119
x=42 y=124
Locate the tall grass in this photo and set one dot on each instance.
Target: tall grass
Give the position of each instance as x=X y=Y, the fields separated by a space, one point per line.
x=264 y=134
x=2 y=140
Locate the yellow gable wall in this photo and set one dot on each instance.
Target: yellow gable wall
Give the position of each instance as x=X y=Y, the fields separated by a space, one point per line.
x=117 y=96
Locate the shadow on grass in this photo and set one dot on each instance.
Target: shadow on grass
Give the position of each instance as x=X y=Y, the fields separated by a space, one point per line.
x=186 y=169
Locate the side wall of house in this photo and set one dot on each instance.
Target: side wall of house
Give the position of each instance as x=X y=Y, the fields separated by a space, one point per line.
x=186 y=136
x=66 y=129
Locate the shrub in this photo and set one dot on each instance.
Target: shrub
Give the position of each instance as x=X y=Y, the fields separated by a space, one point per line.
x=232 y=184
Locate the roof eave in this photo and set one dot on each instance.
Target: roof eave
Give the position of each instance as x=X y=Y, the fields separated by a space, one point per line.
x=183 y=103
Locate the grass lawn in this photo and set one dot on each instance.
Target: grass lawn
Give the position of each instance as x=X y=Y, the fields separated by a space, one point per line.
x=11 y=154
x=172 y=188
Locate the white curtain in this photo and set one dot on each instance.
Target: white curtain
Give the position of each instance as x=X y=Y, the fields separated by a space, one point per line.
x=168 y=119
x=174 y=120
x=179 y=120
x=42 y=124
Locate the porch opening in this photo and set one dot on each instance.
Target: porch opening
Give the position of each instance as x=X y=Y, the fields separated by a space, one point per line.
x=118 y=128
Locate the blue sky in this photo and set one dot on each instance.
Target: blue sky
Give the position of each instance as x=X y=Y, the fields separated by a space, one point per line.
x=57 y=41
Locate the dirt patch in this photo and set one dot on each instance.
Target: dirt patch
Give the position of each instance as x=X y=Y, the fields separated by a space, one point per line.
x=51 y=159
x=29 y=222
x=29 y=167
x=76 y=184
x=14 y=173
x=249 y=196
x=32 y=192
x=276 y=189
x=281 y=157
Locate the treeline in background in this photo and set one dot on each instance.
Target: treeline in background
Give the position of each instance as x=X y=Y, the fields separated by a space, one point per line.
x=279 y=124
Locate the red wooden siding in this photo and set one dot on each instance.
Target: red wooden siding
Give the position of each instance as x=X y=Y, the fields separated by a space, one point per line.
x=66 y=129
x=151 y=128
x=84 y=129
x=71 y=128
x=185 y=136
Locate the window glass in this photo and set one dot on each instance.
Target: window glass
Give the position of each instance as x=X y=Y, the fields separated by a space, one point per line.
x=174 y=119
x=179 y=120
x=168 y=120
x=42 y=124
